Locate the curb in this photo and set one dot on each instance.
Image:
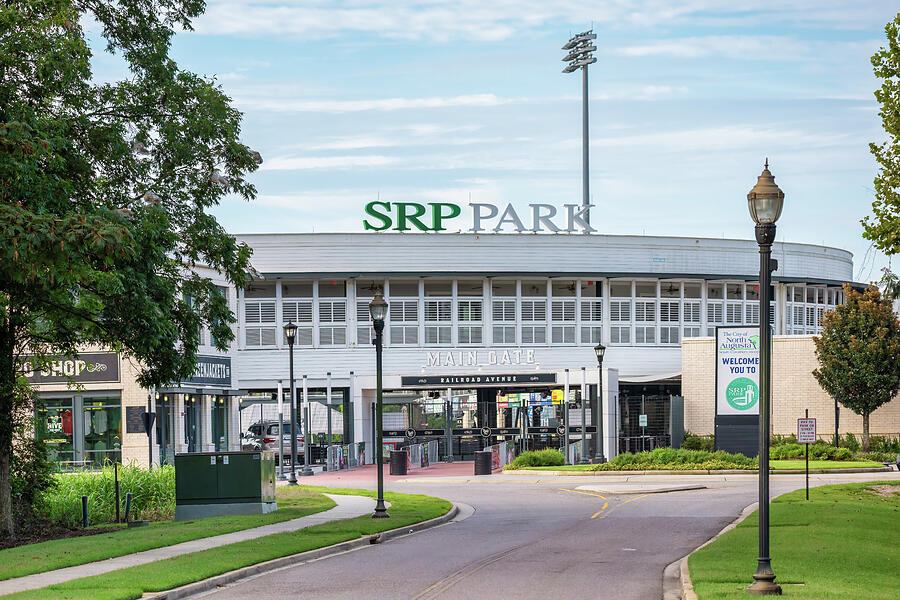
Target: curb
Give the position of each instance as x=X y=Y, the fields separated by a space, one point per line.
x=677 y=584
x=211 y=583
x=697 y=472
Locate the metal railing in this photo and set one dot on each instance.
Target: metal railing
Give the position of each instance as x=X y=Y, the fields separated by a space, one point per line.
x=643 y=443
x=573 y=453
x=419 y=456
x=345 y=456
x=501 y=454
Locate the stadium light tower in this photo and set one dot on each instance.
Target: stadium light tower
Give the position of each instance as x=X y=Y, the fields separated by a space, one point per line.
x=580 y=48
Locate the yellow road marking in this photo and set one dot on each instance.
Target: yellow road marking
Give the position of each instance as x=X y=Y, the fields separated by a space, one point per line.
x=597 y=514
x=583 y=492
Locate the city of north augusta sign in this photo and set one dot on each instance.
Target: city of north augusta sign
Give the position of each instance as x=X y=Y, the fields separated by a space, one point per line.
x=433 y=216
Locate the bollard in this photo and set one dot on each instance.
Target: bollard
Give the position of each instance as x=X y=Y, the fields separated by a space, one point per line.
x=399 y=462
x=84 y=513
x=483 y=460
x=127 y=505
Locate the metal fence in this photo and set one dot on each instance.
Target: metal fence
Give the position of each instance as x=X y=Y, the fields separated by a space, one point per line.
x=643 y=443
x=347 y=456
x=501 y=454
x=419 y=456
x=573 y=453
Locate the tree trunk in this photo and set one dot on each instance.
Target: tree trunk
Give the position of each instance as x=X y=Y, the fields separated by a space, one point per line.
x=7 y=392
x=865 y=432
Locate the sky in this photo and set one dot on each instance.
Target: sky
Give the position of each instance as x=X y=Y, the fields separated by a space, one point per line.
x=464 y=100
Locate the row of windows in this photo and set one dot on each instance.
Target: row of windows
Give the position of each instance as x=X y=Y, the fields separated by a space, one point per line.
x=651 y=313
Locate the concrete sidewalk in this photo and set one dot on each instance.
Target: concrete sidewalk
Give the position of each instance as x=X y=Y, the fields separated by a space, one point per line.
x=347 y=507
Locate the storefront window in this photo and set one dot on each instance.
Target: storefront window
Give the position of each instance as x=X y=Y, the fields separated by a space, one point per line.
x=102 y=430
x=56 y=428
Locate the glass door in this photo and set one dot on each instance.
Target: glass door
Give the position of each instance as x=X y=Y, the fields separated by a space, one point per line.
x=192 y=412
x=165 y=428
x=102 y=430
x=219 y=432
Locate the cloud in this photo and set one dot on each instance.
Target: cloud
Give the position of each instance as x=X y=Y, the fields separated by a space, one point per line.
x=294 y=163
x=363 y=142
x=749 y=47
x=721 y=138
x=476 y=20
x=286 y=104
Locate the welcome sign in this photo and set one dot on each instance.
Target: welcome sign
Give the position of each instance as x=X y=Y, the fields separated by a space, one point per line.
x=433 y=216
x=737 y=371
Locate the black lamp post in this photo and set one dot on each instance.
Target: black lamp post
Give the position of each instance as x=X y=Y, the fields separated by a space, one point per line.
x=378 y=309
x=765 y=201
x=290 y=332
x=599 y=457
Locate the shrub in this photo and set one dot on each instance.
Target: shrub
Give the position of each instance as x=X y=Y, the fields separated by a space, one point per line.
x=547 y=457
x=883 y=457
x=849 y=442
x=821 y=450
x=780 y=440
x=153 y=494
x=879 y=443
x=677 y=460
x=698 y=442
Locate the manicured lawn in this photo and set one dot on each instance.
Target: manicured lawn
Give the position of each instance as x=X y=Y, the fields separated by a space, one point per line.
x=559 y=468
x=824 y=464
x=293 y=503
x=774 y=464
x=843 y=543
x=132 y=583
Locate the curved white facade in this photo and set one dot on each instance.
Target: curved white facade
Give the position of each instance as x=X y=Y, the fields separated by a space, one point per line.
x=513 y=302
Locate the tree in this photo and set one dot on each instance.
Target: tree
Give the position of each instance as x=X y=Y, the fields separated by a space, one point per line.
x=104 y=195
x=883 y=227
x=859 y=353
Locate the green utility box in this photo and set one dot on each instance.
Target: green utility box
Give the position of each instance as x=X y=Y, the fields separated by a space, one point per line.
x=212 y=484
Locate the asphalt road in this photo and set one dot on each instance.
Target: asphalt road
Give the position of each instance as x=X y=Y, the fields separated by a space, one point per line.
x=530 y=539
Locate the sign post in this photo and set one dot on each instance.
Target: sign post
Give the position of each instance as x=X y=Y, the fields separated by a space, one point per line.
x=806 y=434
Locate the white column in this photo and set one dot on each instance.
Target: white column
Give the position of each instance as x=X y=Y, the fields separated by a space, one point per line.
x=206 y=440
x=279 y=315
x=610 y=412
x=178 y=439
x=233 y=425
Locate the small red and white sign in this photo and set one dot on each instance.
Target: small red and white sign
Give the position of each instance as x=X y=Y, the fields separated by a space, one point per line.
x=806 y=431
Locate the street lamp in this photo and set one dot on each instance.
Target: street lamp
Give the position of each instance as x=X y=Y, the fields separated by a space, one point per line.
x=378 y=309
x=765 y=201
x=290 y=332
x=599 y=457
x=579 y=57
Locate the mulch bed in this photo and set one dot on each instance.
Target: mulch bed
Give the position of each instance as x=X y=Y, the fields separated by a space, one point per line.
x=51 y=532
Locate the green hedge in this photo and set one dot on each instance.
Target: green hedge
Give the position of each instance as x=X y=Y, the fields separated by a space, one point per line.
x=153 y=494
x=547 y=457
x=677 y=460
x=819 y=451
x=698 y=442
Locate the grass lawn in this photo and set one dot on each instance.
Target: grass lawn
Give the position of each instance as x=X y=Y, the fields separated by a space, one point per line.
x=824 y=464
x=55 y=554
x=843 y=543
x=774 y=464
x=132 y=583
